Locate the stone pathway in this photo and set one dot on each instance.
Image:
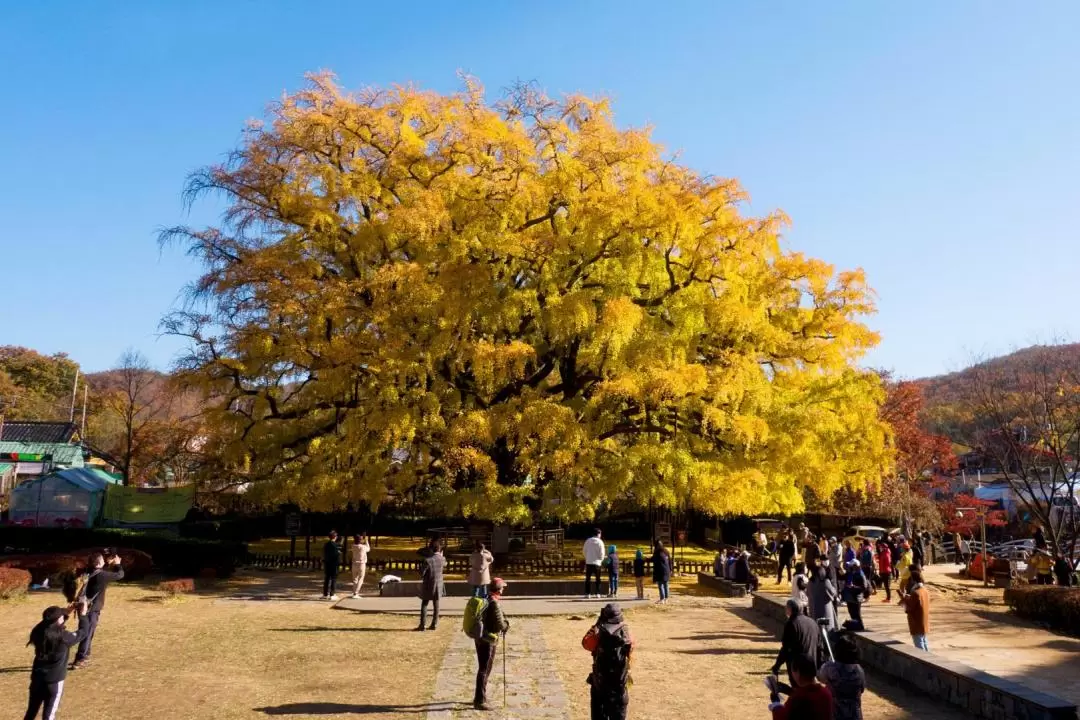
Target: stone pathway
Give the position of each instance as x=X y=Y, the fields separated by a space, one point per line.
x=533 y=688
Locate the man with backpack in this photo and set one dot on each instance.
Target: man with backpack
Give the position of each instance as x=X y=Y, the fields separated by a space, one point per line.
x=611 y=645
x=484 y=622
x=93 y=592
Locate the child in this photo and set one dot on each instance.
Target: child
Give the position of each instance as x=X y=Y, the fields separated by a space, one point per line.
x=611 y=645
x=639 y=574
x=612 y=562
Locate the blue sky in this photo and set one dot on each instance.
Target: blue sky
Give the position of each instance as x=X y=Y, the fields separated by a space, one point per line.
x=935 y=145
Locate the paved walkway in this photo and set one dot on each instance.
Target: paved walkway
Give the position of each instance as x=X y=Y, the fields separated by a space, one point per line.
x=533 y=688
x=515 y=606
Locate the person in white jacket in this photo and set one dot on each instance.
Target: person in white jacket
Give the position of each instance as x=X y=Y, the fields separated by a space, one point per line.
x=594 y=559
x=360 y=550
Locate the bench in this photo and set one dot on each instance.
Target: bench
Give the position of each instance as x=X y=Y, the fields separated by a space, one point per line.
x=962 y=686
x=728 y=588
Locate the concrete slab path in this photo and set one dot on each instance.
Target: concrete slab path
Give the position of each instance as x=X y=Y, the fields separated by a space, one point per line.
x=514 y=606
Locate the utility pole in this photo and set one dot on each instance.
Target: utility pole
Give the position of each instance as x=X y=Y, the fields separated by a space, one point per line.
x=74 y=394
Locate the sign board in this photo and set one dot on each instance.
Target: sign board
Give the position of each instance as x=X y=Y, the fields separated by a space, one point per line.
x=293 y=521
x=681 y=537
x=662 y=532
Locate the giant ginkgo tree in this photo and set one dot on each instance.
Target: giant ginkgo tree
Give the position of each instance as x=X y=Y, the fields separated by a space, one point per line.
x=514 y=308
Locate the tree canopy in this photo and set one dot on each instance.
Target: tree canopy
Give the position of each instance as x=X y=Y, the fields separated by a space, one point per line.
x=514 y=307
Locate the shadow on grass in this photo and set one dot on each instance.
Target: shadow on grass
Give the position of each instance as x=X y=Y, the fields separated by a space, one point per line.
x=728 y=651
x=18 y=669
x=326 y=708
x=316 y=628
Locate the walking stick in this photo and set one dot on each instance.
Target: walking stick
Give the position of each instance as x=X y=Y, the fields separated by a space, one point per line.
x=504 y=671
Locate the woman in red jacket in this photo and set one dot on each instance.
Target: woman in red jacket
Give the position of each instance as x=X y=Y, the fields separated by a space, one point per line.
x=884 y=561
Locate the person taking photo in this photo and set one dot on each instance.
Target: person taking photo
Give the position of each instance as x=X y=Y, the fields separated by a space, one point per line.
x=52 y=644
x=93 y=591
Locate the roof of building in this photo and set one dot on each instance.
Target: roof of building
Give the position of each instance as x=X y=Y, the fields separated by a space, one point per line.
x=62 y=453
x=89 y=479
x=38 y=431
x=5 y=468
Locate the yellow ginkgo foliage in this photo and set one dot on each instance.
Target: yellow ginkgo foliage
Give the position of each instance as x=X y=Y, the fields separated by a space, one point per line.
x=512 y=309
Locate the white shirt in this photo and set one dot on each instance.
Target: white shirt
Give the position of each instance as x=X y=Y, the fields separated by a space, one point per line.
x=594 y=551
x=359 y=553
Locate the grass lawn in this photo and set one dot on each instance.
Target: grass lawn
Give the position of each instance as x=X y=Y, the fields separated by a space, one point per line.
x=207 y=656
x=696 y=659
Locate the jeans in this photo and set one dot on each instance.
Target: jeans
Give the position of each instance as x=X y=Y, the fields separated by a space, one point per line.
x=329 y=583
x=592 y=571
x=640 y=587
x=613 y=585
x=84 y=647
x=485 y=658
x=480 y=591
x=785 y=562
x=434 y=612
x=662 y=585
x=886 y=581
x=921 y=642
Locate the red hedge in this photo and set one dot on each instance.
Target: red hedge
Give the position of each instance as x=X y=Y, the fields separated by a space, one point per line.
x=55 y=566
x=177 y=587
x=1057 y=606
x=13 y=582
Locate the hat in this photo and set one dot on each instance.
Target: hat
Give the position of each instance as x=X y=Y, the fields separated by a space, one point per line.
x=52 y=614
x=498 y=584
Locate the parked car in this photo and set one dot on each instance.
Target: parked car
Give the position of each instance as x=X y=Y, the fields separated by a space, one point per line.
x=857 y=533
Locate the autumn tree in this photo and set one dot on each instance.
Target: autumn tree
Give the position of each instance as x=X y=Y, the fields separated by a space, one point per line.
x=510 y=309
x=920 y=457
x=1028 y=421
x=35 y=386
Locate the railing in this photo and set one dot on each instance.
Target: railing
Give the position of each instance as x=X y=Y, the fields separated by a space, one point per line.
x=517 y=566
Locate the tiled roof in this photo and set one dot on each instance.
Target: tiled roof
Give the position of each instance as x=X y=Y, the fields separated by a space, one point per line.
x=37 y=431
x=63 y=453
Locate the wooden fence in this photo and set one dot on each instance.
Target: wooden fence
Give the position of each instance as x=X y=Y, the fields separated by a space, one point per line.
x=537 y=566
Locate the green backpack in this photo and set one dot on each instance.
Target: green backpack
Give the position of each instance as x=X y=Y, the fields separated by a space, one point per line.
x=472 y=624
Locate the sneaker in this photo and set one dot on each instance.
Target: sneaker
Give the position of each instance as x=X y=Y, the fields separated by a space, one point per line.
x=355 y=596
x=421 y=628
x=333 y=598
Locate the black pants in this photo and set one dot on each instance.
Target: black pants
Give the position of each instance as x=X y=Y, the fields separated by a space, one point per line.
x=1044 y=579
x=854 y=608
x=886 y=581
x=84 y=647
x=434 y=612
x=785 y=562
x=329 y=583
x=485 y=659
x=592 y=571
x=608 y=703
x=44 y=697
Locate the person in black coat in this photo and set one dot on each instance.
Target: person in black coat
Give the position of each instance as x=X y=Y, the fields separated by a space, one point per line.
x=1040 y=538
x=743 y=574
x=661 y=570
x=331 y=566
x=97 y=582
x=801 y=636
x=52 y=643
x=787 y=554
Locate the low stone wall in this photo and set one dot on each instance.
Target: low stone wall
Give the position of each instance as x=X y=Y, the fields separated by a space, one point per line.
x=721 y=585
x=517 y=588
x=975 y=691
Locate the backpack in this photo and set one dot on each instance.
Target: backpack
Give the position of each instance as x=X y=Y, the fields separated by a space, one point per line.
x=611 y=659
x=472 y=624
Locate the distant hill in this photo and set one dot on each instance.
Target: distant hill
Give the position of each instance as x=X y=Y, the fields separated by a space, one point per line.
x=948 y=396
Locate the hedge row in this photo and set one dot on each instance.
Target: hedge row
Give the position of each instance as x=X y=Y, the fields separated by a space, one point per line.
x=178 y=557
x=1057 y=606
x=13 y=582
x=56 y=567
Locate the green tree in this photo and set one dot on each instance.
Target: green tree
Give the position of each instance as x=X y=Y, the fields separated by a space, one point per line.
x=514 y=308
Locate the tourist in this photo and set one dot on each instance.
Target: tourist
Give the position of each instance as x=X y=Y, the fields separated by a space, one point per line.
x=1042 y=567
x=761 y=543
x=93 y=591
x=594 y=559
x=856 y=590
x=834 y=561
x=964 y=549
x=611 y=645
x=799 y=585
x=845 y=679
x=729 y=565
x=903 y=567
x=809 y=700
x=661 y=570
x=812 y=551
x=331 y=566
x=849 y=553
x=612 y=562
x=480 y=569
x=360 y=549
x=432 y=587
x=918 y=550
x=866 y=562
x=52 y=643
x=787 y=555
x=639 y=573
x=1040 y=538
x=743 y=574
x=494 y=624
x=1063 y=572
x=718 y=564
x=884 y=560
x=916 y=601
x=822 y=596
x=895 y=553
x=800 y=637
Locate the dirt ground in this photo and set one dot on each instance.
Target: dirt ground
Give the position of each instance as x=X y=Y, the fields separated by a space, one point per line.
x=703 y=657
x=220 y=656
